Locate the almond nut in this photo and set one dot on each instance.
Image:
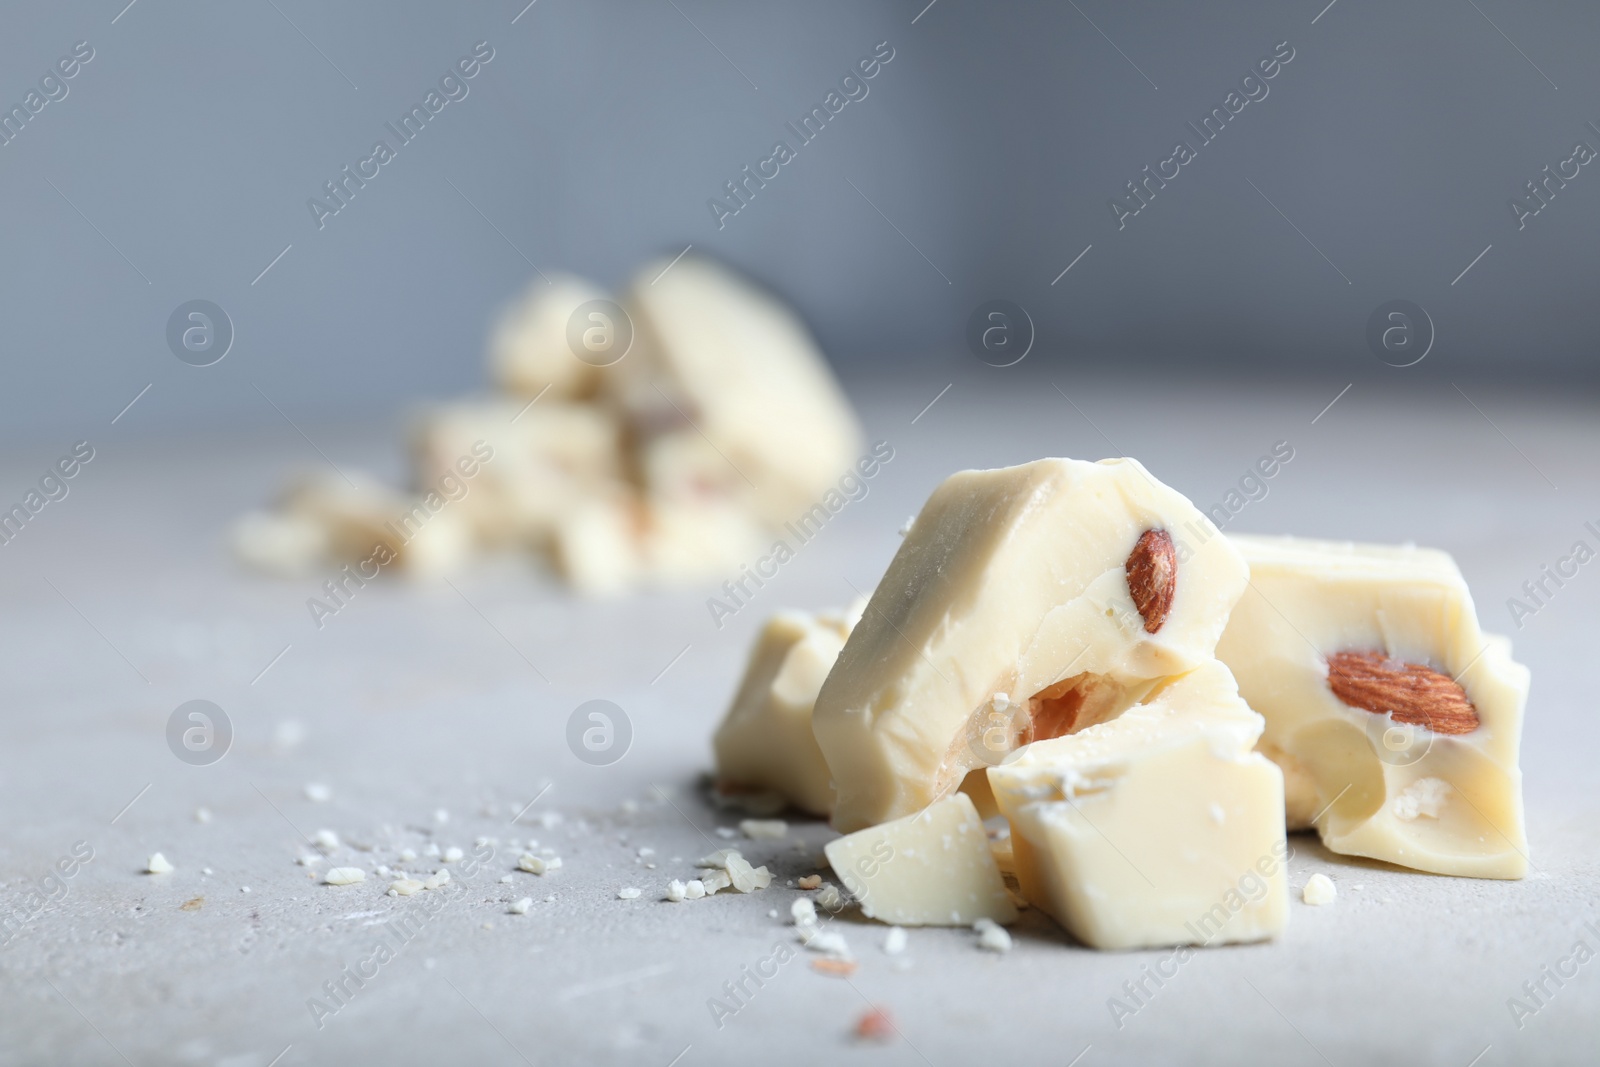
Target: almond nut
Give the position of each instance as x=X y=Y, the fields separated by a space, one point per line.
x=834 y=968
x=1153 y=577
x=1409 y=692
x=1075 y=704
x=875 y=1025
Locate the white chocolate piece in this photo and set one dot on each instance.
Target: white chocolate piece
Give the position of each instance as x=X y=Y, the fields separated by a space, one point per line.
x=537 y=864
x=596 y=546
x=612 y=542
x=1011 y=582
x=933 y=868
x=1300 y=804
x=530 y=349
x=666 y=467
x=828 y=942
x=374 y=528
x=1161 y=827
x=686 y=541
x=351 y=513
x=731 y=374
x=746 y=878
x=991 y=936
x=514 y=470
x=765 y=740
x=288 y=546
x=1319 y=890
x=1407 y=611
x=444 y=545
x=681 y=465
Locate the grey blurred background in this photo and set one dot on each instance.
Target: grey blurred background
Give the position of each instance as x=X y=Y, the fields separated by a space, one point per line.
x=980 y=165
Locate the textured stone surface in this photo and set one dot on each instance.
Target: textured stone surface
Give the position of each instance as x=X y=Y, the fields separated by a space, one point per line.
x=411 y=701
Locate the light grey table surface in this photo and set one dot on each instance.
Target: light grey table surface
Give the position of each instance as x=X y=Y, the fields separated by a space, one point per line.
x=122 y=602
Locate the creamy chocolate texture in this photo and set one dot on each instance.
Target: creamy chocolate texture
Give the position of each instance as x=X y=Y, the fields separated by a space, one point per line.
x=1384 y=701
x=1161 y=827
x=1024 y=603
